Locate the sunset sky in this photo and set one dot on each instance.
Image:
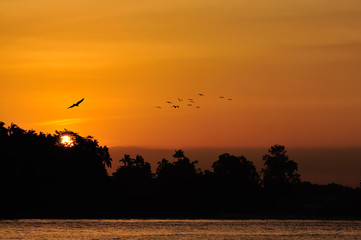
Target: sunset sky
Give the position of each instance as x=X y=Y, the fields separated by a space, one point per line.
x=292 y=68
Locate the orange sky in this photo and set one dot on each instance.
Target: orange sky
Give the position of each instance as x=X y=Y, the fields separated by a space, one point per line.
x=292 y=68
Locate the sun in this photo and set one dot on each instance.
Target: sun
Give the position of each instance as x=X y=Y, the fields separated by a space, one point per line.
x=67 y=141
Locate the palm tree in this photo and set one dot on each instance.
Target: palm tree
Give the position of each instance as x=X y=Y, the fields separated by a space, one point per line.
x=127 y=160
x=105 y=156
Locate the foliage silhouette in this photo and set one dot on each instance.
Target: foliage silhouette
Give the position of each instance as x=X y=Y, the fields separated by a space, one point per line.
x=181 y=170
x=40 y=178
x=133 y=173
x=132 y=182
x=37 y=173
x=178 y=184
x=235 y=184
x=236 y=169
x=280 y=172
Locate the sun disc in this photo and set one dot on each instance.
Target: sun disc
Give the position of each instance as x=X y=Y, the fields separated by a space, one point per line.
x=67 y=141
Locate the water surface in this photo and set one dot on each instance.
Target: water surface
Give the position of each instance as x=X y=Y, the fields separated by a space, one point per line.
x=180 y=229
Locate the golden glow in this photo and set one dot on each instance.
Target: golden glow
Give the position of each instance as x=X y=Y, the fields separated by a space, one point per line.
x=67 y=141
x=292 y=69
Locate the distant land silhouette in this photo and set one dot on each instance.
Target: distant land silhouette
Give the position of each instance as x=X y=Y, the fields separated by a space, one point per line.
x=43 y=176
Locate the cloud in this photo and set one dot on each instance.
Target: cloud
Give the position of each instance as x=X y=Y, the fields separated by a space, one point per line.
x=72 y=121
x=69 y=121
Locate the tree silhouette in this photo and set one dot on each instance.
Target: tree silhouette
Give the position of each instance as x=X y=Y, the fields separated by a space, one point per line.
x=132 y=182
x=133 y=176
x=3 y=130
x=133 y=168
x=36 y=172
x=181 y=170
x=40 y=177
x=177 y=183
x=235 y=184
x=13 y=129
x=279 y=171
x=236 y=169
x=179 y=154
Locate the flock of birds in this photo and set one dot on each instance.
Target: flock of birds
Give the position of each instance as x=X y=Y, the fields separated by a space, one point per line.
x=189 y=102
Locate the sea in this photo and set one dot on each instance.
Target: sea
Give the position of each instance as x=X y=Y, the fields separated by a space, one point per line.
x=180 y=229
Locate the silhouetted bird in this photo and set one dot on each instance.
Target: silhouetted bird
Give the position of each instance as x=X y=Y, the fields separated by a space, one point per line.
x=158 y=107
x=179 y=99
x=229 y=99
x=76 y=104
x=189 y=105
x=198 y=107
x=221 y=97
x=168 y=102
x=201 y=94
x=175 y=106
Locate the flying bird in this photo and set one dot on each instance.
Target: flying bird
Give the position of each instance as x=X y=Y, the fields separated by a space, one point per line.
x=175 y=106
x=76 y=104
x=179 y=99
x=201 y=94
x=198 y=107
x=189 y=105
x=168 y=102
x=229 y=99
x=158 y=107
x=221 y=97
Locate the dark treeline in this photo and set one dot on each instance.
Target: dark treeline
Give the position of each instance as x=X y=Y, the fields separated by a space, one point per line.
x=42 y=178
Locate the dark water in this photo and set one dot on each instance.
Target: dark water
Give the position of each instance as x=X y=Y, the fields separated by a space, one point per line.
x=180 y=229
